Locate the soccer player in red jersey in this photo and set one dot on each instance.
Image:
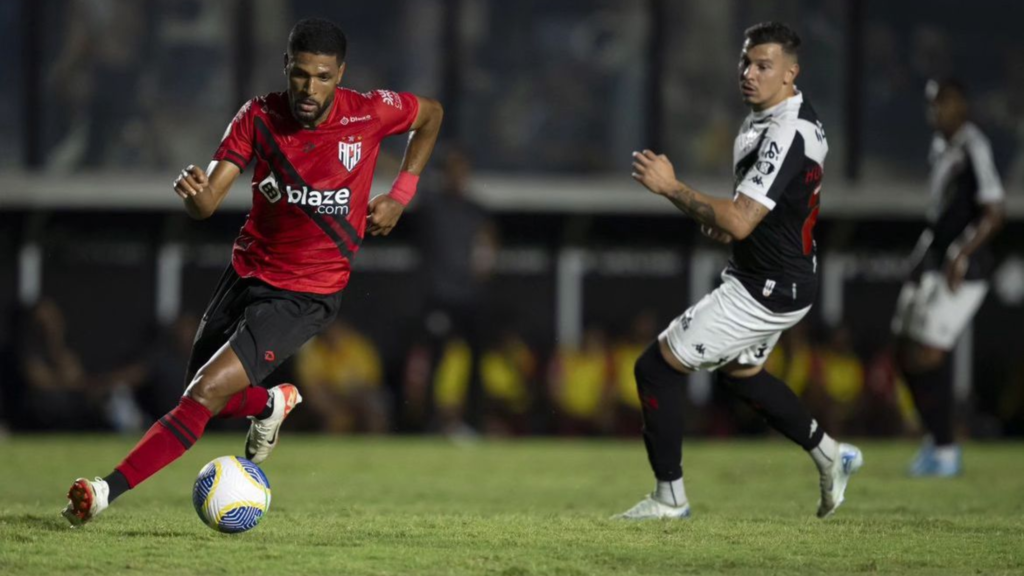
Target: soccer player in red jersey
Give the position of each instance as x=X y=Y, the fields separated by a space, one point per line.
x=315 y=147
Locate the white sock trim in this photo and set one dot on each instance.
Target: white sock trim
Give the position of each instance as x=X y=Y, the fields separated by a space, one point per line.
x=825 y=453
x=671 y=493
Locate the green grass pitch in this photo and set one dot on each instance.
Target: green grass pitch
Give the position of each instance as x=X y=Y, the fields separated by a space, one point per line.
x=408 y=506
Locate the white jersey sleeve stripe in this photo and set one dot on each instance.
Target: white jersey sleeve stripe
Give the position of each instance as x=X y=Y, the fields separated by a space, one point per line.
x=758 y=197
x=762 y=181
x=990 y=189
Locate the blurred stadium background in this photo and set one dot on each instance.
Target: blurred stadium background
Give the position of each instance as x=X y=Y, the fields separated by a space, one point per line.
x=573 y=267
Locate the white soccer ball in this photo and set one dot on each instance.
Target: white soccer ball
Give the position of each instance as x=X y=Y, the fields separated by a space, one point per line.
x=231 y=494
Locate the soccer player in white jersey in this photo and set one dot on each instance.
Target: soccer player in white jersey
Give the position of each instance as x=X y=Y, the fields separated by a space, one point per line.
x=950 y=269
x=768 y=287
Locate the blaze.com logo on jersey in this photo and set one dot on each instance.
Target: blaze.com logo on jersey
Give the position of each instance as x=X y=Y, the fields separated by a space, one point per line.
x=324 y=201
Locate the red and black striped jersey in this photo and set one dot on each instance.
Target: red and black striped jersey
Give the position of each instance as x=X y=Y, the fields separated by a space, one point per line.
x=310 y=186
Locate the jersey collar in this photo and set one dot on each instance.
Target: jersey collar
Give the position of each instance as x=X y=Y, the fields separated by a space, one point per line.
x=797 y=99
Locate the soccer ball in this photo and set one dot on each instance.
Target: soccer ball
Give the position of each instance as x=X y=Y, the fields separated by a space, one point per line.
x=231 y=494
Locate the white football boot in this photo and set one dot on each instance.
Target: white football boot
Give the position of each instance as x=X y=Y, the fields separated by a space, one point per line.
x=835 y=479
x=650 y=509
x=86 y=499
x=262 y=436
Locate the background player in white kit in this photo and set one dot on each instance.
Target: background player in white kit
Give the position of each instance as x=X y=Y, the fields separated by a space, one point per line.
x=768 y=287
x=951 y=265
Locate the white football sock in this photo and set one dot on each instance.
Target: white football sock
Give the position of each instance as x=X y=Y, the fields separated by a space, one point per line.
x=825 y=453
x=947 y=455
x=672 y=493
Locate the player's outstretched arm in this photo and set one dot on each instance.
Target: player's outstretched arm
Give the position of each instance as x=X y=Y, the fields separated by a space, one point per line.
x=384 y=210
x=730 y=218
x=424 y=130
x=204 y=191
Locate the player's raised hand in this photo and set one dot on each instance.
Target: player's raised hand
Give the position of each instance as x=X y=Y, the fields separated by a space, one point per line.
x=715 y=234
x=190 y=182
x=655 y=172
x=382 y=215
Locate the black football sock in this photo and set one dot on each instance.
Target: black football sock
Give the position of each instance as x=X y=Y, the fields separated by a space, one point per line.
x=661 y=390
x=933 y=395
x=268 y=410
x=778 y=405
x=118 y=485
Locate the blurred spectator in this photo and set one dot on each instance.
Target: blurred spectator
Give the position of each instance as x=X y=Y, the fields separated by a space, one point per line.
x=888 y=406
x=838 y=383
x=793 y=359
x=340 y=374
x=580 y=386
x=628 y=418
x=140 y=392
x=56 y=394
x=168 y=362
x=508 y=371
x=543 y=106
x=459 y=246
x=449 y=383
x=159 y=376
x=97 y=79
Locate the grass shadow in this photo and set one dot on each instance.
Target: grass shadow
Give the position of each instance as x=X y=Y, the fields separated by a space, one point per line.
x=49 y=522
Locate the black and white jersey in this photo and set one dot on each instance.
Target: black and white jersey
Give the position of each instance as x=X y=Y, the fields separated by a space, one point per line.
x=963 y=179
x=778 y=160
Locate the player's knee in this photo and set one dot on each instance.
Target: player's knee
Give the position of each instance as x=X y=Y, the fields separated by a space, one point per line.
x=211 y=388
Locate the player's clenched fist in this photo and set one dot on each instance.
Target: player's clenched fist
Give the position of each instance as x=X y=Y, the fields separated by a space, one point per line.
x=655 y=172
x=190 y=182
x=383 y=214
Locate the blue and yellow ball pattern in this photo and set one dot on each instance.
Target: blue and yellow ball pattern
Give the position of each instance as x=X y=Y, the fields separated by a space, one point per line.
x=231 y=494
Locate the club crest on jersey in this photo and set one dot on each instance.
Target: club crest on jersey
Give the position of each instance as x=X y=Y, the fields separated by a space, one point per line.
x=769 y=287
x=350 y=153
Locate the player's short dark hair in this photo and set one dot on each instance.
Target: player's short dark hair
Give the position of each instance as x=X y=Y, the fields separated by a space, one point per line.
x=317 y=36
x=937 y=86
x=774 y=33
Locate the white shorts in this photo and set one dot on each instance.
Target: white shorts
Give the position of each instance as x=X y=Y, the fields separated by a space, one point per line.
x=929 y=313
x=728 y=324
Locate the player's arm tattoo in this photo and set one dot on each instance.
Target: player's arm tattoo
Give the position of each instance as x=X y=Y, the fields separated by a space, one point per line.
x=737 y=218
x=690 y=202
x=749 y=211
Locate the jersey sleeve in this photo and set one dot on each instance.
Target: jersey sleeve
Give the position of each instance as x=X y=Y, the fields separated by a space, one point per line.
x=779 y=160
x=236 y=146
x=990 y=189
x=396 y=110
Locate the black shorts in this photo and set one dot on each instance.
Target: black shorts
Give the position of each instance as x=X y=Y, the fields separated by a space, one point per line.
x=265 y=325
